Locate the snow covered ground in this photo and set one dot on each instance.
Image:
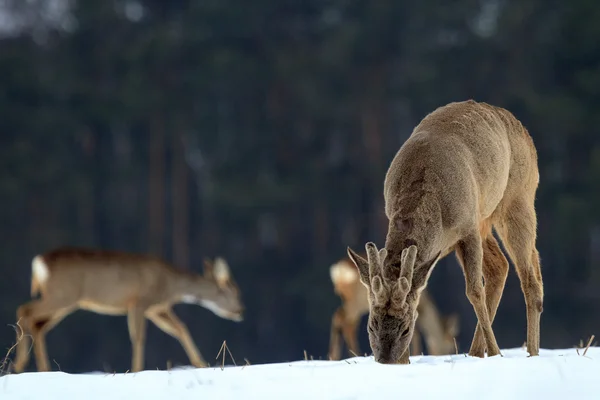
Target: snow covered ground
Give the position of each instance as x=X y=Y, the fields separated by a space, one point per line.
x=556 y=374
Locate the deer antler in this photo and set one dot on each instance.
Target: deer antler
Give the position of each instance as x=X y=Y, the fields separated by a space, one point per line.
x=407 y=259
x=375 y=259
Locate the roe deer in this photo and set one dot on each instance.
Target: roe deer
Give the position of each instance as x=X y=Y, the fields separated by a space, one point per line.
x=118 y=283
x=439 y=332
x=467 y=167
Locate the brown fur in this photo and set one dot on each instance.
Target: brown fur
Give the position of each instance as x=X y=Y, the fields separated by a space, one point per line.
x=118 y=283
x=467 y=167
x=438 y=331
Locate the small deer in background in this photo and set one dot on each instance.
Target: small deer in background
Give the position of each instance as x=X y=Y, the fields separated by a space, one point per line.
x=467 y=167
x=119 y=283
x=438 y=332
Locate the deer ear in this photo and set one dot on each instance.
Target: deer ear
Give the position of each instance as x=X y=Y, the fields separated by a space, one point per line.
x=362 y=265
x=221 y=271
x=208 y=268
x=421 y=274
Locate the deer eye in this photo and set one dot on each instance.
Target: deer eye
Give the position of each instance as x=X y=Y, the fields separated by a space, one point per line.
x=404 y=332
x=374 y=323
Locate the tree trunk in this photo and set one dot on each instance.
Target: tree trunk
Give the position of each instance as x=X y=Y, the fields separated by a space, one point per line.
x=179 y=204
x=371 y=115
x=156 y=188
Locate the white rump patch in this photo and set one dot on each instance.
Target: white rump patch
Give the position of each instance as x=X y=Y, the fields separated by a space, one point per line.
x=343 y=273
x=39 y=269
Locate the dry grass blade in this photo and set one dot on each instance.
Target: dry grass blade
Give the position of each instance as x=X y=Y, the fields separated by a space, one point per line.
x=20 y=334
x=224 y=349
x=219 y=353
x=230 y=355
x=455 y=345
x=247 y=363
x=588 y=344
x=353 y=353
x=305 y=356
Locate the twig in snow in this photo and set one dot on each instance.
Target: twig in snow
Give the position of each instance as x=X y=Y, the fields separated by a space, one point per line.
x=588 y=345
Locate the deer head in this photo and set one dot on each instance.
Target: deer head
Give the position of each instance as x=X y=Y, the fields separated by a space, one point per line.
x=393 y=299
x=226 y=302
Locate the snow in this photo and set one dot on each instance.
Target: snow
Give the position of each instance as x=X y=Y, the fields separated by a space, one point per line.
x=555 y=374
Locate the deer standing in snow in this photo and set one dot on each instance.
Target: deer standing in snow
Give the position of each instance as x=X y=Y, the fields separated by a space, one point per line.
x=467 y=167
x=438 y=331
x=119 y=283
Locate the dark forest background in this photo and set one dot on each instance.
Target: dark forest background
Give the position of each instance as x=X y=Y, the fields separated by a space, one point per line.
x=261 y=131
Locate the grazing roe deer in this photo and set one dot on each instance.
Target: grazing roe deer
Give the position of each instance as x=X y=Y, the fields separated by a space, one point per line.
x=467 y=167
x=118 y=283
x=438 y=331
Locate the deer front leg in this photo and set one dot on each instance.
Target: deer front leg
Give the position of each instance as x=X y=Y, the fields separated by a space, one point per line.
x=136 y=322
x=169 y=323
x=470 y=255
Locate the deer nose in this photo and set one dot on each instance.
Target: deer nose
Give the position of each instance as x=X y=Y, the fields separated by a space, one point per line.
x=384 y=360
x=239 y=315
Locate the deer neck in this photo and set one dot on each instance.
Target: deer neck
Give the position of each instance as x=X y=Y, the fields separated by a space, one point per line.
x=192 y=289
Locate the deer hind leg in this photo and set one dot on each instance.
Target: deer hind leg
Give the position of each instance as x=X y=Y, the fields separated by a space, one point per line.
x=41 y=328
x=495 y=271
x=168 y=322
x=349 y=331
x=469 y=252
x=335 y=345
x=415 y=343
x=23 y=341
x=518 y=233
x=35 y=319
x=136 y=322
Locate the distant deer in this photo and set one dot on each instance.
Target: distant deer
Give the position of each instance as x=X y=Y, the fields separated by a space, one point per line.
x=119 y=283
x=439 y=332
x=467 y=167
